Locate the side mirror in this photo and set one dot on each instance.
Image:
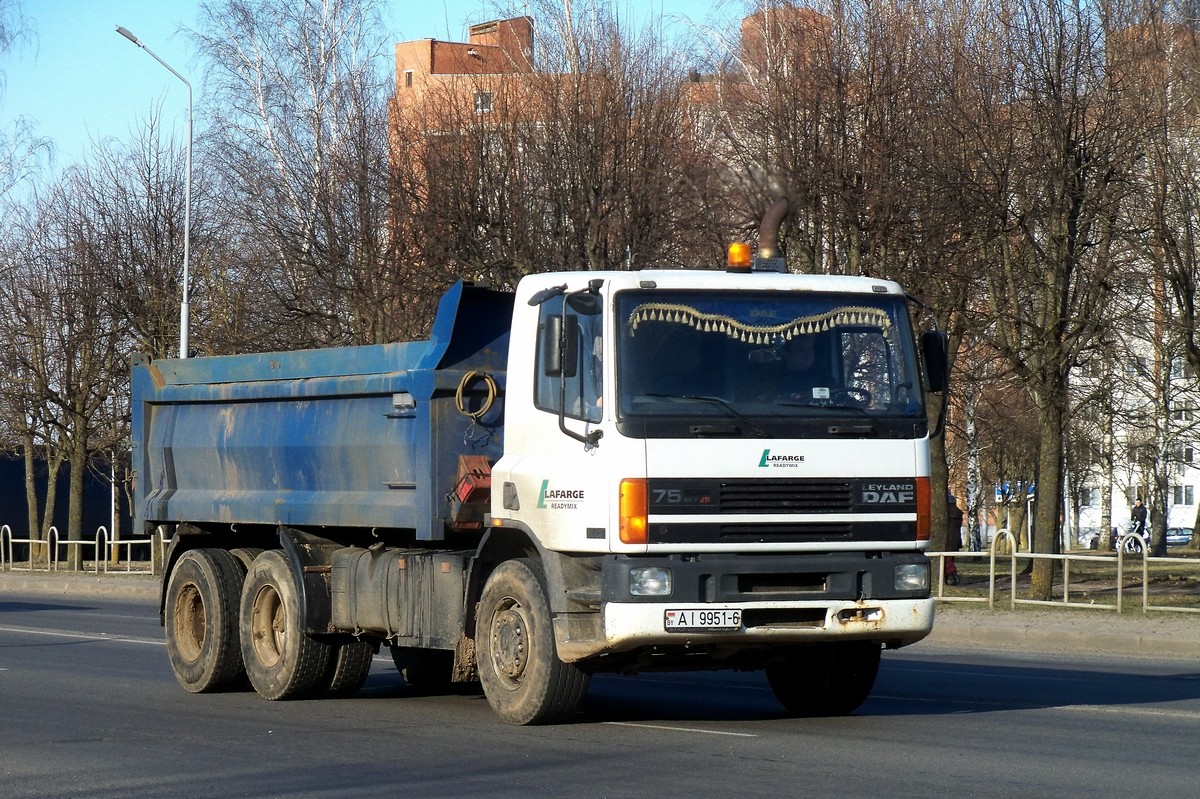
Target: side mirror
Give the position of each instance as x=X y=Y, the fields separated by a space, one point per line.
x=933 y=349
x=560 y=344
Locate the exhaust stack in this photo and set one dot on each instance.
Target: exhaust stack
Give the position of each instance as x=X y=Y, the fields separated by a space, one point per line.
x=769 y=258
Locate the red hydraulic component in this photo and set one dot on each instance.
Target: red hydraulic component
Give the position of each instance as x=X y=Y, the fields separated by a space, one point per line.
x=472 y=492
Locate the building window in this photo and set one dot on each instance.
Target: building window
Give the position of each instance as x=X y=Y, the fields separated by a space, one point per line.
x=408 y=78
x=1184 y=495
x=483 y=102
x=1184 y=412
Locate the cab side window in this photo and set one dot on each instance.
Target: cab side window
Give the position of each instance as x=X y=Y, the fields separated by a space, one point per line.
x=574 y=364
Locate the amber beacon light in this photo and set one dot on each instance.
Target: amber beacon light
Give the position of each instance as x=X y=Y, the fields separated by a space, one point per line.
x=737 y=258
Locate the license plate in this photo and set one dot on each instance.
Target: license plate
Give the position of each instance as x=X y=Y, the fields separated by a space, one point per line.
x=687 y=619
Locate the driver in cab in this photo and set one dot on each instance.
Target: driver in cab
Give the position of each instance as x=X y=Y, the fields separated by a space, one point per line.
x=803 y=377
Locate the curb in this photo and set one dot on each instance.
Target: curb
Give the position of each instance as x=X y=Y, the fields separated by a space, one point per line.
x=112 y=584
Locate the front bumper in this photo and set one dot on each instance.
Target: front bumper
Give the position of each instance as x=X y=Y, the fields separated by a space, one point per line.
x=791 y=599
x=893 y=622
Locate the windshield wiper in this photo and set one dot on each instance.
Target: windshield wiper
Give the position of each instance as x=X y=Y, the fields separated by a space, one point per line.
x=833 y=408
x=758 y=431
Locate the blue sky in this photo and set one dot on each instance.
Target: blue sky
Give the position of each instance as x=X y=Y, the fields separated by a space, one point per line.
x=81 y=80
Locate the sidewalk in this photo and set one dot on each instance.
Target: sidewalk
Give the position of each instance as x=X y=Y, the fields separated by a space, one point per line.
x=1038 y=628
x=1062 y=630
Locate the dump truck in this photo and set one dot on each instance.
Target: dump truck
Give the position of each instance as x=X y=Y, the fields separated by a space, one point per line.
x=599 y=472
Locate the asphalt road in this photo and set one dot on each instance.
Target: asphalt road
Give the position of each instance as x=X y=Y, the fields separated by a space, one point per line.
x=88 y=708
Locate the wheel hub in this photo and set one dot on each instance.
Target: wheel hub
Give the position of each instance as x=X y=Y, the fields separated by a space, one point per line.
x=269 y=627
x=508 y=643
x=190 y=622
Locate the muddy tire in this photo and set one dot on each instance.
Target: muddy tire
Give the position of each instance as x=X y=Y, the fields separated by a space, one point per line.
x=349 y=665
x=523 y=679
x=245 y=556
x=201 y=621
x=826 y=680
x=429 y=670
x=282 y=662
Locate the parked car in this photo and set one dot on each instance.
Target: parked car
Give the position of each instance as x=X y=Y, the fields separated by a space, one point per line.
x=1179 y=536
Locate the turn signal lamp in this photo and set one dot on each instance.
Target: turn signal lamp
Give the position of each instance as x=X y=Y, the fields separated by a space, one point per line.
x=924 y=509
x=633 y=510
x=737 y=258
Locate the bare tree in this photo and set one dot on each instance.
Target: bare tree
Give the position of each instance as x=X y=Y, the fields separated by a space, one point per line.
x=63 y=340
x=21 y=149
x=24 y=411
x=1057 y=158
x=577 y=163
x=299 y=138
x=1161 y=61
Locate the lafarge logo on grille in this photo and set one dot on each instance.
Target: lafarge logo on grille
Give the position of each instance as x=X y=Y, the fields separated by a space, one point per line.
x=769 y=460
x=559 y=498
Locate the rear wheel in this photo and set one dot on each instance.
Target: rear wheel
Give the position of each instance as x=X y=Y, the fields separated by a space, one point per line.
x=825 y=680
x=245 y=556
x=349 y=665
x=522 y=676
x=282 y=661
x=424 y=669
x=202 y=621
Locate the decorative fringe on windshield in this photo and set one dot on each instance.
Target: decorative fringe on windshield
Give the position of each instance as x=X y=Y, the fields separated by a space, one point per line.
x=854 y=316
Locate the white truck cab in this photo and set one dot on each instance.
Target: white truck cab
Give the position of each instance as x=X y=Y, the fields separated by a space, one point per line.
x=724 y=501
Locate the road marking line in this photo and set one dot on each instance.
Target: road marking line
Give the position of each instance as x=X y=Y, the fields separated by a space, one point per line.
x=1126 y=710
x=1123 y=710
x=680 y=729
x=84 y=636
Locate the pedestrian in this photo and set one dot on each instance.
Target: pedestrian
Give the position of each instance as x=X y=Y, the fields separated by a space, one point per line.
x=954 y=523
x=1139 y=519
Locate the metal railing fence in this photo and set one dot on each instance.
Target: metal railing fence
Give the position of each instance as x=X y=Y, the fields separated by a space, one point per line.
x=47 y=554
x=1119 y=564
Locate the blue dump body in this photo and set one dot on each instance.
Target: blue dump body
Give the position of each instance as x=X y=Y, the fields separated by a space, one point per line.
x=350 y=437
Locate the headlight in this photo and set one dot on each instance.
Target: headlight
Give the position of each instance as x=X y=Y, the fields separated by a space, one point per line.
x=912 y=577
x=650 y=581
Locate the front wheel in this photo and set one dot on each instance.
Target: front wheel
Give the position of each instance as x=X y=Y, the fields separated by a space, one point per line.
x=282 y=661
x=826 y=680
x=522 y=676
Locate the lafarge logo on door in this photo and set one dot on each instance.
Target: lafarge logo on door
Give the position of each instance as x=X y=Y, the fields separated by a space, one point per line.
x=559 y=498
x=769 y=460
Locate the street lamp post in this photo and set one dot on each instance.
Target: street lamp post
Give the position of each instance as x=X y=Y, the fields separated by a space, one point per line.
x=184 y=308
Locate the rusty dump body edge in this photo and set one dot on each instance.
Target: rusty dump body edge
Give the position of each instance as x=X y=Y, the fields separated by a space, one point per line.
x=350 y=437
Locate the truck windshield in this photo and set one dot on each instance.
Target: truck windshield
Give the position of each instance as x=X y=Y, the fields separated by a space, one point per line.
x=765 y=363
